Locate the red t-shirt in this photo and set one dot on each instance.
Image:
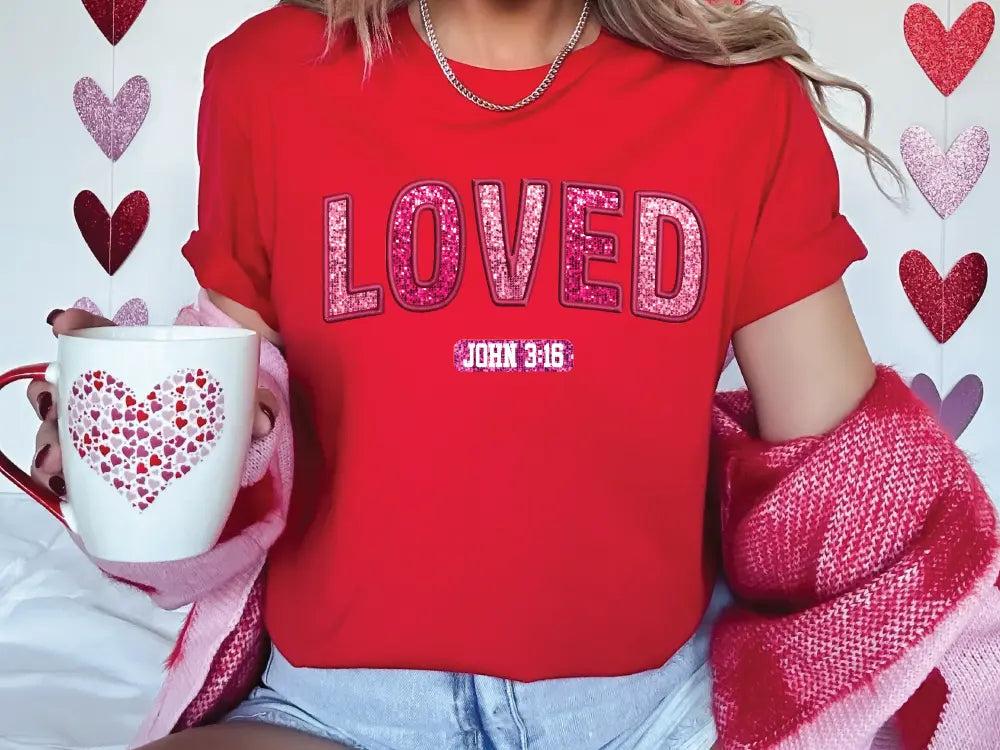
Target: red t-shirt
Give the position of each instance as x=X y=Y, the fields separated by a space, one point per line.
x=504 y=331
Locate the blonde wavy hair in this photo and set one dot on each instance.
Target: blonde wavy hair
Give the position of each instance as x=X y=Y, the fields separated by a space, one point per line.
x=717 y=33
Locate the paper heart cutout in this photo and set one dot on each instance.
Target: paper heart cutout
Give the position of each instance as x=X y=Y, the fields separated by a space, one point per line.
x=958 y=408
x=114 y=17
x=111 y=239
x=112 y=125
x=945 y=179
x=142 y=445
x=132 y=313
x=947 y=56
x=943 y=304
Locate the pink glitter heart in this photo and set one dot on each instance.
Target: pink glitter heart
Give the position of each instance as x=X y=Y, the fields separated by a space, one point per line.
x=112 y=125
x=945 y=179
x=132 y=313
x=146 y=453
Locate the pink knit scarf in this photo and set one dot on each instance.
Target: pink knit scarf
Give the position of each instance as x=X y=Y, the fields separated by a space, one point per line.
x=864 y=564
x=865 y=568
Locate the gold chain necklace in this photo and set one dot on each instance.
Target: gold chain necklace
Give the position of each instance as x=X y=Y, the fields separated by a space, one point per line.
x=425 y=15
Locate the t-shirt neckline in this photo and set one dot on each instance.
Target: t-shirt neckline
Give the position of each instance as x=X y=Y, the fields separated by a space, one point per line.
x=502 y=85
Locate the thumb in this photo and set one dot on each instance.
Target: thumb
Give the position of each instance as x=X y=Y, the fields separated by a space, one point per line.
x=265 y=413
x=64 y=321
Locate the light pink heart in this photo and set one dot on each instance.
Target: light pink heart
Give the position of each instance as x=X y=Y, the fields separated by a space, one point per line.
x=132 y=313
x=945 y=179
x=112 y=125
x=730 y=354
x=958 y=408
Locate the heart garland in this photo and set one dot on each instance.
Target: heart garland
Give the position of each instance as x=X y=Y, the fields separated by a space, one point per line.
x=945 y=179
x=132 y=313
x=111 y=238
x=947 y=56
x=114 y=17
x=957 y=410
x=112 y=124
x=943 y=304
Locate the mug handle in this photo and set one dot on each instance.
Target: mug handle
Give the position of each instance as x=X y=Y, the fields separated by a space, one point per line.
x=43 y=495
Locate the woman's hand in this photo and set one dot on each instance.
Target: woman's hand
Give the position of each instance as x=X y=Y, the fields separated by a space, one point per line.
x=46 y=467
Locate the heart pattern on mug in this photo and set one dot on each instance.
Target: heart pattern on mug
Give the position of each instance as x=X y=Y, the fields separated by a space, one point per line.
x=947 y=55
x=957 y=410
x=945 y=179
x=142 y=445
x=112 y=124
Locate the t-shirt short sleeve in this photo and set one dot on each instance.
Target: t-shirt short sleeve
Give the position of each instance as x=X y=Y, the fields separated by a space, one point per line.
x=228 y=251
x=801 y=243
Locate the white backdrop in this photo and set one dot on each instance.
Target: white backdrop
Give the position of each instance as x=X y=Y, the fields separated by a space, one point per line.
x=47 y=158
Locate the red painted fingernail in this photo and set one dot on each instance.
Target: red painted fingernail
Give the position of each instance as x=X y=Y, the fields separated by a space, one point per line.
x=269 y=413
x=41 y=456
x=44 y=404
x=53 y=315
x=58 y=486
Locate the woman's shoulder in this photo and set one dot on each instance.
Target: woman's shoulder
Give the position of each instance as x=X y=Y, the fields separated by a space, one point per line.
x=749 y=95
x=278 y=37
x=753 y=81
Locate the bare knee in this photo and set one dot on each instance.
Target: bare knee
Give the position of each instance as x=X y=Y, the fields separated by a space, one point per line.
x=242 y=735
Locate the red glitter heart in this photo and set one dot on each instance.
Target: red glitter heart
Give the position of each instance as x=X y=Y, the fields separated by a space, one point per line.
x=947 y=56
x=943 y=304
x=114 y=17
x=111 y=238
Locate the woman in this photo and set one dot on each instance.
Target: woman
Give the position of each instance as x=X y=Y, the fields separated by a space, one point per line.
x=512 y=559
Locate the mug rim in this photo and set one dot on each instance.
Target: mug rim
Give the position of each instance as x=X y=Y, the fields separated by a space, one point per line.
x=160 y=334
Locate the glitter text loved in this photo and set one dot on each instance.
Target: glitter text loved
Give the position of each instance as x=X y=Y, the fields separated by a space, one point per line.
x=511 y=263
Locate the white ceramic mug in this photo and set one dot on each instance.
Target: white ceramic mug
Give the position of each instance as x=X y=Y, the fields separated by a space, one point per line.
x=154 y=426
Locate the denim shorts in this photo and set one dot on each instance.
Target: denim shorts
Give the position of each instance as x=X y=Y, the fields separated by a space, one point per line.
x=669 y=708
